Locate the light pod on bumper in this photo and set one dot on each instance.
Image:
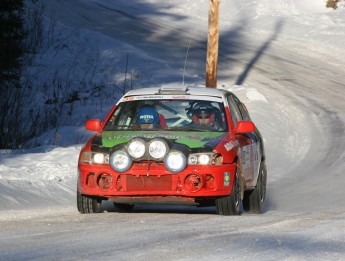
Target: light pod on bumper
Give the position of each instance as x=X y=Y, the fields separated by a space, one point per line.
x=120 y=161
x=136 y=148
x=175 y=161
x=158 y=149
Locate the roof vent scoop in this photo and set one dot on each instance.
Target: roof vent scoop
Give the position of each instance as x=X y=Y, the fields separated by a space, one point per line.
x=173 y=90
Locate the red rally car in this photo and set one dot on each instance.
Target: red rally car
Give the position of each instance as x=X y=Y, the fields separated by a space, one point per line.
x=174 y=145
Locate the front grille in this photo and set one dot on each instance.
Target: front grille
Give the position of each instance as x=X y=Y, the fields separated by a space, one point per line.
x=148 y=183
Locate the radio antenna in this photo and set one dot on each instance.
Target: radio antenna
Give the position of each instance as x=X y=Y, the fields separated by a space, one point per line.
x=185 y=60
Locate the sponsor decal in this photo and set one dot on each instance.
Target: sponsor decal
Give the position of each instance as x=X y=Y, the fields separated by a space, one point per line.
x=113 y=138
x=193 y=137
x=179 y=97
x=257 y=156
x=226 y=179
x=148 y=97
x=230 y=145
x=145 y=97
x=148 y=136
x=146 y=118
x=246 y=156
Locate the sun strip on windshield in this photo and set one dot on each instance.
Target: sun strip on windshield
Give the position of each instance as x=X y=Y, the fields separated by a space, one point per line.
x=171 y=97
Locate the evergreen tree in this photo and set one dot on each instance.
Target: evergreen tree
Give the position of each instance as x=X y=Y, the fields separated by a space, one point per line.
x=11 y=39
x=12 y=36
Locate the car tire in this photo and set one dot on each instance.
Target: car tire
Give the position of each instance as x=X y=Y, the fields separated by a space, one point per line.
x=253 y=201
x=120 y=207
x=230 y=205
x=88 y=204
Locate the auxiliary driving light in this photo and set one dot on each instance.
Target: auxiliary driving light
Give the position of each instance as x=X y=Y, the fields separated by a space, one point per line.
x=120 y=161
x=175 y=161
x=158 y=149
x=136 y=148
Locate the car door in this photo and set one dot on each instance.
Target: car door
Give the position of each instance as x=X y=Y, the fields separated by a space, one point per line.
x=248 y=152
x=257 y=144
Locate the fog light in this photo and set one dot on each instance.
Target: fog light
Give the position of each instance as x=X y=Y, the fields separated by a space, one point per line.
x=193 y=182
x=105 y=181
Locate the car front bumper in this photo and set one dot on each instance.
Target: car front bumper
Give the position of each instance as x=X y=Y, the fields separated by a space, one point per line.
x=152 y=183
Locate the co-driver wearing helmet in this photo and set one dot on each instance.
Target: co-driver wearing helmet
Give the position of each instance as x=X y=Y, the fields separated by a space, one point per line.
x=147 y=117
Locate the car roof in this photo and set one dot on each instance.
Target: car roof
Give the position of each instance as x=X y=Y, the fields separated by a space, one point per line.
x=178 y=90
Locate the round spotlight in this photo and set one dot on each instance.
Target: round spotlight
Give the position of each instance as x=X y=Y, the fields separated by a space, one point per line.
x=120 y=161
x=158 y=149
x=136 y=148
x=175 y=161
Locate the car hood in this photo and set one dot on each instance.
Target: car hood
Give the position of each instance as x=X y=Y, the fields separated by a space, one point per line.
x=194 y=140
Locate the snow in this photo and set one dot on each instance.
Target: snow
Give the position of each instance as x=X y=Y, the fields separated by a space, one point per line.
x=285 y=60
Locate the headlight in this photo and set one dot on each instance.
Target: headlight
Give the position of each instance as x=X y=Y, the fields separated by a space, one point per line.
x=91 y=158
x=204 y=159
x=120 y=161
x=200 y=158
x=175 y=161
x=98 y=158
x=136 y=148
x=158 y=149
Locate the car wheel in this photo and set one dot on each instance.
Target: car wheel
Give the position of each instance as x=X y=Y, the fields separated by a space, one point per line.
x=88 y=204
x=123 y=207
x=230 y=205
x=254 y=200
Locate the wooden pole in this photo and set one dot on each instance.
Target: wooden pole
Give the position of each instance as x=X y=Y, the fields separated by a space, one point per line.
x=212 y=44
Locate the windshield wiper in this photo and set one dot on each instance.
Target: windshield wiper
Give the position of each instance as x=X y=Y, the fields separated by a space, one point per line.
x=117 y=127
x=190 y=129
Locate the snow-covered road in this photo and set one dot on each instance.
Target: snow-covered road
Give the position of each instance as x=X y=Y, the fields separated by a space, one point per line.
x=284 y=60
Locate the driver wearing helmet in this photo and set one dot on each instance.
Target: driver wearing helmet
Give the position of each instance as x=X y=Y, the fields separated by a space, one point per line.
x=148 y=118
x=204 y=117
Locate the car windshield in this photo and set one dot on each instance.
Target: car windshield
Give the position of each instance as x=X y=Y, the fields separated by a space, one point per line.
x=168 y=114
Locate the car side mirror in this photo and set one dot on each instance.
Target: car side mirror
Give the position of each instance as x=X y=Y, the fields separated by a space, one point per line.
x=245 y=127
x=93 y=125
